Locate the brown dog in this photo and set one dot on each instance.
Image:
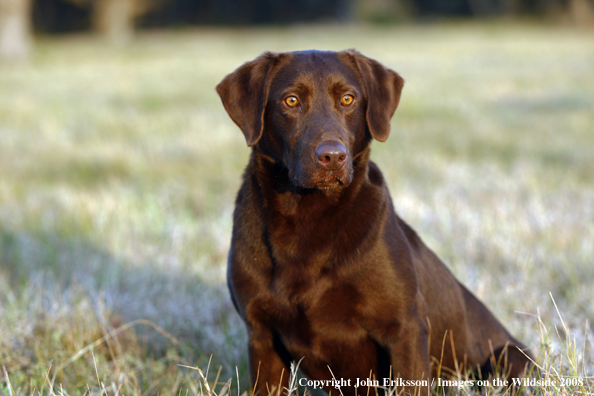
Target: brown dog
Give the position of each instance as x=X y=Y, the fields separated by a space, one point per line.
x=321 y=267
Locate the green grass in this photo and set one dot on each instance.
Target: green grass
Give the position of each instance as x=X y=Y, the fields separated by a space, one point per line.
x=119 y=167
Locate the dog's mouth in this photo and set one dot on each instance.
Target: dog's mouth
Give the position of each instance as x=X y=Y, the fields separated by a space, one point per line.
x=324 y=180
x=329 y=182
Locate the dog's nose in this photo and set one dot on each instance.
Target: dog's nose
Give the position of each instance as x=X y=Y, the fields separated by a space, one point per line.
x=331 y=155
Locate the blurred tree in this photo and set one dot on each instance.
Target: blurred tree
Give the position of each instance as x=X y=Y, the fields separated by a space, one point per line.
x=242 y=12
x=431 y=8
x=581 y=12
x=117 y=19
x=573 y=11
x=114 y=19
x=384 y=11
x=60 y=16
x=15 y=29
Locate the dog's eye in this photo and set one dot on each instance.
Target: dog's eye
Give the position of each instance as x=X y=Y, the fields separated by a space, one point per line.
x=347 y=100
x=292 y=101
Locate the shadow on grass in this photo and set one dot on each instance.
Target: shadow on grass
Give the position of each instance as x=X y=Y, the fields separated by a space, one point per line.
x=62 y=293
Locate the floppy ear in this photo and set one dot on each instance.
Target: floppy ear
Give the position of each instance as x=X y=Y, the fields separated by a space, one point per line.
x=383 y=88
x=244 y=94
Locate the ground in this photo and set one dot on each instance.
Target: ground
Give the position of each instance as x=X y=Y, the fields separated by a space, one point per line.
x=119 y=169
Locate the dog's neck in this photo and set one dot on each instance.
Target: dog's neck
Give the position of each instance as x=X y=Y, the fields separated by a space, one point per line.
x=304 y=225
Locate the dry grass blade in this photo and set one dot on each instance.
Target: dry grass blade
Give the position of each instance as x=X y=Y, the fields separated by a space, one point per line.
x=109 y=335
x=333 y=377
x=293 y=377
x=8 y=384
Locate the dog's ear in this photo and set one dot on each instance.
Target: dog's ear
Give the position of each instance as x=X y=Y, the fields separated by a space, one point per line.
x=244 y=94
x=383 y=87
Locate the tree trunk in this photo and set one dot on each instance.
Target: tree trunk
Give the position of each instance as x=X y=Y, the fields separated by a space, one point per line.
x=114 y=19
x=15 y=29
x=581 y=12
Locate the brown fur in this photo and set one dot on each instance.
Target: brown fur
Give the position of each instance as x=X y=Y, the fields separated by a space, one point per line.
x=320 y=265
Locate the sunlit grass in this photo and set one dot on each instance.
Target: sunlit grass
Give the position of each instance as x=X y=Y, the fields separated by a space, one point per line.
x=119 y=167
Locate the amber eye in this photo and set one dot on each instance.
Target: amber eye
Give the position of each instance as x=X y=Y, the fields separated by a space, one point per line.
x=347 y=100
x=291 y=101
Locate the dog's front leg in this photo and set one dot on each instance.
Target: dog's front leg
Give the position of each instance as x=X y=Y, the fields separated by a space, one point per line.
x=269 y=373
x=406 y=342
x=409 y=356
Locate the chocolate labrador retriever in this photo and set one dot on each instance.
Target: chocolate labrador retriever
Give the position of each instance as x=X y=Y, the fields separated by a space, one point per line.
x=321 y=267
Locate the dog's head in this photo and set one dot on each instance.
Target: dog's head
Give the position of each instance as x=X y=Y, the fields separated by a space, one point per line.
x=312 y=111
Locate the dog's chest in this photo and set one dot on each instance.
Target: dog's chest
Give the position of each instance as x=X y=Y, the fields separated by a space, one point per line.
x=309 y=308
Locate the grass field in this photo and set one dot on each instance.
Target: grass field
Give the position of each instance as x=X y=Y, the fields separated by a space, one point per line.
x=119 y=167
